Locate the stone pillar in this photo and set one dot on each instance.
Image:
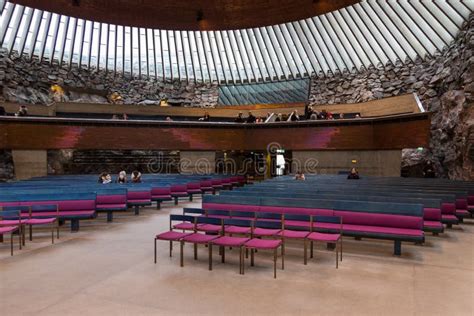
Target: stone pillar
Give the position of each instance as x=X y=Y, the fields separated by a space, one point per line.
x=197 y=162
x=30 y=163
x=385 y=163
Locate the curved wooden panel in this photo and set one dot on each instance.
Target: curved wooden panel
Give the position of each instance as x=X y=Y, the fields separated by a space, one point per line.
x=397 y=132
x=182 y=14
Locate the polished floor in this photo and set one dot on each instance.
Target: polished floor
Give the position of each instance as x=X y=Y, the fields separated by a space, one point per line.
x=108 y=269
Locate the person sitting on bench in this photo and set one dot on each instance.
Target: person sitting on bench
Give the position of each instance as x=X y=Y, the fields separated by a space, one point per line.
x=300 y=176
x=136 y=177
x=122 y=177
x=354 y=174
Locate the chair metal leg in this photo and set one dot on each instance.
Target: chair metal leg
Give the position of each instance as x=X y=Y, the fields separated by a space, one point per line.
x=210 y=256
x=195 y=251
x=282 y=253
x=57 y=229
x=11 y=244
x=305 y=251
x=311 y=250
x=243 y=261
x=155 y=250
x=340 y=249
x=223 y=254
x=31 y=232
x=337 y=256
x=181 y=259
x=251 y=257
x=275 y=263
x=52 y=233
x=171 y=248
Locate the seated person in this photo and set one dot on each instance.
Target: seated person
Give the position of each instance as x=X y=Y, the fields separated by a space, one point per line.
x=136 y=177
x=323 y=115
x=341 y=116
x=309 y=112
x=205 y=118
x=251 y=118
x=428 y=170
x=354 y=174
x=122 y=177
x=279 y=118
x=239 y=118
x=2 y=111
x=294 y=116
x=23 y=111
x=169 y=119
x=105 y=178
x=300 y=176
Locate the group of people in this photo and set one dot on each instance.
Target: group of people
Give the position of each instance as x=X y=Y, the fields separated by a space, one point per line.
x=249 y=119
x=22 y=111
x=353 y=175
x=106 y=178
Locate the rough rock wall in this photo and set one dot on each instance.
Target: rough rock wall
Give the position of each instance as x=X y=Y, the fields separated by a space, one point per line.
x=445 y=84
x=7 y=171
x=29 y=82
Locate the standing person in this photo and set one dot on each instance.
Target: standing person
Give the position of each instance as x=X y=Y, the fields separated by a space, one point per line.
x=354 y=174
x=23 y=111
x=122 y=177
x=239 y=118
x=205 y=118
x=251 y=118
x=136 y=177
x=428 y=170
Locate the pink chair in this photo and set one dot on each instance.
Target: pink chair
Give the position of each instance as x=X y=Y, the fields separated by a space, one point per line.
x=330 y=236
x=213 y=228
x=172 y=235
x=12 y=217
x=37 y=218
x=265 y=229
x=296 y=233
x=237 y=227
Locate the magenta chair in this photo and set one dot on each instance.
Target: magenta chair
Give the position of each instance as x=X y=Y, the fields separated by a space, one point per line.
x=327 y=229
x=296 y=227
x=212 y=227
x=232 y=226
x=265 y=229
x=13 y=218
x=172 y=235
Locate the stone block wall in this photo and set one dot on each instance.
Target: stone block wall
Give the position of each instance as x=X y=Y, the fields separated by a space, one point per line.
x=26 y=81
x=445 y=85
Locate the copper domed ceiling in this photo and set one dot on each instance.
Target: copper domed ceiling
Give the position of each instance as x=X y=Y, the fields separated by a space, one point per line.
x=189 y=15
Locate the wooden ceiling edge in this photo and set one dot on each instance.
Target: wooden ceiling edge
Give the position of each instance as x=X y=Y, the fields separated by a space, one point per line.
x=169 y=20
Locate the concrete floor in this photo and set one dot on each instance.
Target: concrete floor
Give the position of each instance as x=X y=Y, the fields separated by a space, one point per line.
x=108 y=269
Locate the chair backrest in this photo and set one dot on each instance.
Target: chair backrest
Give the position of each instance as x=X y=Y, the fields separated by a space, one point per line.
x=327 y=219
x=37 y=210
x=192 y=210
x=239 y=222
x=217 y=213
x=181 y=218
x=242 y=214
x=23 y=209
x=209 y=220
x=267 y=224
x=269 y=215
x=11 y=215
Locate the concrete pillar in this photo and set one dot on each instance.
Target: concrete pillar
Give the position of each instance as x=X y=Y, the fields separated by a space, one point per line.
x=197 y=162
x=385 y=163
x=30 y=163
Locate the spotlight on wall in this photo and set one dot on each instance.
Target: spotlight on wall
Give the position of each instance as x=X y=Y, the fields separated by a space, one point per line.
x=199 y=15
x=354 y=160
